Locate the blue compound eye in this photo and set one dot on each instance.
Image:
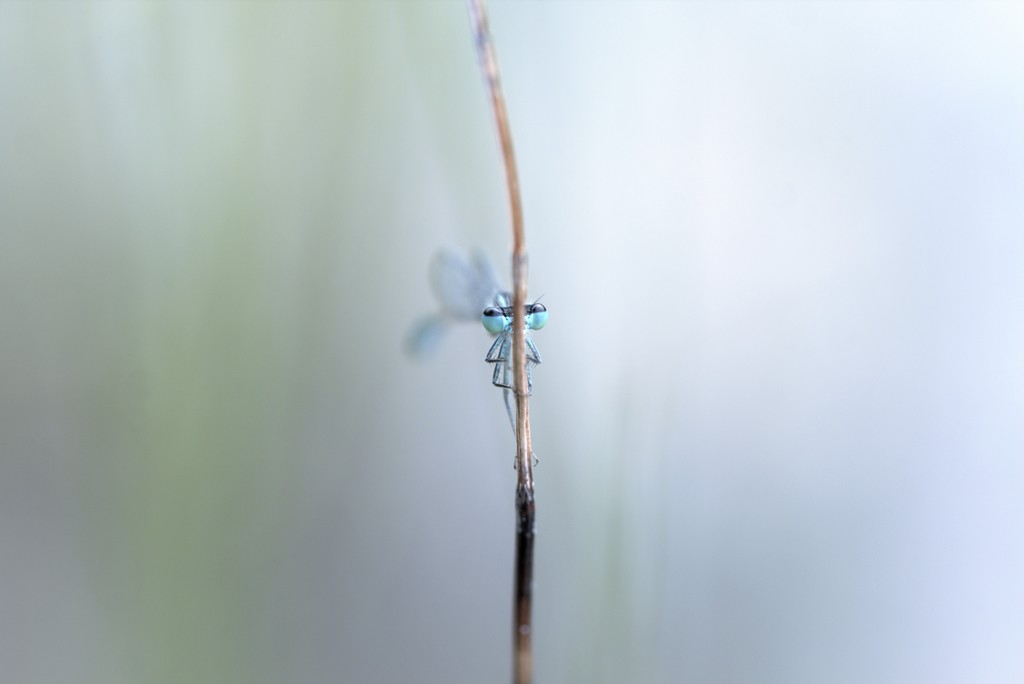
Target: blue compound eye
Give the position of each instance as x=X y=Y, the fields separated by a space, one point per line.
x=536 y=316
x=493 y=319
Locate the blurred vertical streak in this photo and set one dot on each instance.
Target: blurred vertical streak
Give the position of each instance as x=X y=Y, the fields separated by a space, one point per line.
x=168 y=258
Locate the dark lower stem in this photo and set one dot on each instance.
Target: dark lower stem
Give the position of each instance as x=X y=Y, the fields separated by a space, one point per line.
x=522 y=650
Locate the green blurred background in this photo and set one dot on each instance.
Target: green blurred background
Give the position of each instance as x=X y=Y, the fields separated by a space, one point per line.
x=781 y=414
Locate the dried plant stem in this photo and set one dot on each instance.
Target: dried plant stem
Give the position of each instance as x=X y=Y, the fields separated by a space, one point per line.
x=522 y=657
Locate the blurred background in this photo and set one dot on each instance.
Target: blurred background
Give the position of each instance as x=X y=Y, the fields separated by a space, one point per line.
x=780 y=417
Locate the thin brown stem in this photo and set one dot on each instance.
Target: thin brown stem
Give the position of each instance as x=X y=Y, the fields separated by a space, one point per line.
x=525 y=525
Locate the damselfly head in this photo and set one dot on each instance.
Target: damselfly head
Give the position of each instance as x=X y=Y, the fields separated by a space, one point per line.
x=495 y=318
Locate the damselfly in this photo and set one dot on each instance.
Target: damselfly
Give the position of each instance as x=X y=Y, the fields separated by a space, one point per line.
x=467 y=289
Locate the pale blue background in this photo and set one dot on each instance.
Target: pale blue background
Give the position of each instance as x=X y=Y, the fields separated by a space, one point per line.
x=781 y=413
